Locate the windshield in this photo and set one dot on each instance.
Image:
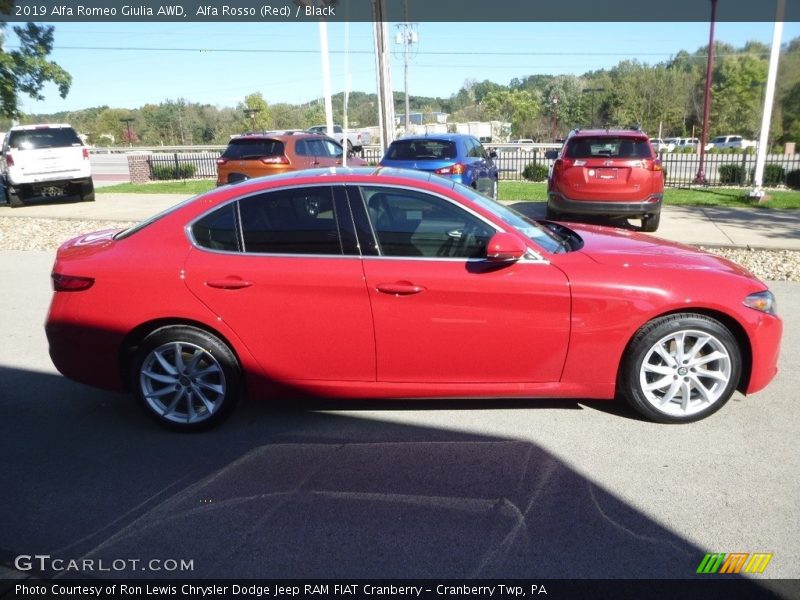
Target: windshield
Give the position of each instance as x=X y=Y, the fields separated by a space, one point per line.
x=543 y=236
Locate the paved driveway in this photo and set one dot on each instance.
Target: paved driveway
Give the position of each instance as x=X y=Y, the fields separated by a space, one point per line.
x=533 y=489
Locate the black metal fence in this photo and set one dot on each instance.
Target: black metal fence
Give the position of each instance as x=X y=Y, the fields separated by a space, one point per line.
x=680 y=168
x=183 y=165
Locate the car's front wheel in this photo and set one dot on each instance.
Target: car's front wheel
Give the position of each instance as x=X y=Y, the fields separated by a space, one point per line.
x=186 y=378
x=681 y=368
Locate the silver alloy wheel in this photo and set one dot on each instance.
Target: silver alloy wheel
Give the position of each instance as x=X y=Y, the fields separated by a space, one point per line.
x=685 y=372
x=182 y=382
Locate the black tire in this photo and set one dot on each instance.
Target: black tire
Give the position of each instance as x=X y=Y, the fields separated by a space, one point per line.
x=191 y=390
x=671 y=359
x=87 y=191
x=12 y=197
x=651 y=221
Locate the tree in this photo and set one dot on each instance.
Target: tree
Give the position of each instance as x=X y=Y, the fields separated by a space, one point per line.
x=27 y=69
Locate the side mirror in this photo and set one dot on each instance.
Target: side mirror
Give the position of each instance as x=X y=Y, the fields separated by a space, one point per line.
x=492 y=153
x=551 y=154
x=505 y=247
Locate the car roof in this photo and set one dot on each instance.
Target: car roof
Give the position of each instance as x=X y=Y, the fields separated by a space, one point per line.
x=449 y=137
x=41 y=126
x=277 y=135
x=610 y=133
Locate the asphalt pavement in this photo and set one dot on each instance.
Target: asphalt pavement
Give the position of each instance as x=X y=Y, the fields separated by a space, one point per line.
x=449 y=489
x=709 y=226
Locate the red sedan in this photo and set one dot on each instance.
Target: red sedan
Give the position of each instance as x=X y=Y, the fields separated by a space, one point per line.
x=382 y=283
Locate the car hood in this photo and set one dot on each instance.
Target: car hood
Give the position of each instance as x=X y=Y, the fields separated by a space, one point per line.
x=624 y=248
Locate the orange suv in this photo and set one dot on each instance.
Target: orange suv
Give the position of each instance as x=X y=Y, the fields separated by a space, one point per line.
x=607 y=172
x=259 y=154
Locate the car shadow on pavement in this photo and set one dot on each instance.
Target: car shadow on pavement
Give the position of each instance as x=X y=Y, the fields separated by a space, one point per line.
x=295 y=492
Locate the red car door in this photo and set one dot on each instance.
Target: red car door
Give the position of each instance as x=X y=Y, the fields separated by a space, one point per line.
x=294 y=292
x=444 y=315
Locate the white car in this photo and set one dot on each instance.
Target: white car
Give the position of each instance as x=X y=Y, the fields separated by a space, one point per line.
x=659 y=145
x=730 y=141
x=45 y=161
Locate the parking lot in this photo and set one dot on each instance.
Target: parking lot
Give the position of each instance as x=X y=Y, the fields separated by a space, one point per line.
x=490 y=489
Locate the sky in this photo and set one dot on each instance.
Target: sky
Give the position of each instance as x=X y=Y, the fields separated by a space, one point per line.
x=127 y=65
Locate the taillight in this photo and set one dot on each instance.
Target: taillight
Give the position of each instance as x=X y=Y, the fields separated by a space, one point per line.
x=275 y=160
x=85 y=154
x=9 y=159
x=456 y=169
x=654 y=165
x=563 y=164
x=71 y=283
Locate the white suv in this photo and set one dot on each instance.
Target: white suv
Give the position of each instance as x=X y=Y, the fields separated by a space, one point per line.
x=47 y=161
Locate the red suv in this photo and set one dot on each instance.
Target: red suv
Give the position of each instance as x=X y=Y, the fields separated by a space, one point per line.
x=607 y=172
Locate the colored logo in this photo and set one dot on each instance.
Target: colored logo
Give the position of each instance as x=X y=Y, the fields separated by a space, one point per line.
x=734 y=563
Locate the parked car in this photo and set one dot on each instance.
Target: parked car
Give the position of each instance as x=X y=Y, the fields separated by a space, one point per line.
x=671 y=143
x=45 y=161
x=356 y=140
x=730 y=141
x=260 y=154
x=665 y=145
x=460 y=157
x=384 y=283
x=613 y=173
x=689 y=143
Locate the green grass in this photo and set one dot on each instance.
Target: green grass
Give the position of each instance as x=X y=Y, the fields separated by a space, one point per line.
x=190 y=187
x=537 y=192
x=514 y=191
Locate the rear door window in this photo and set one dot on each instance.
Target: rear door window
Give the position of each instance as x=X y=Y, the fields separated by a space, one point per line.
x=294 y=221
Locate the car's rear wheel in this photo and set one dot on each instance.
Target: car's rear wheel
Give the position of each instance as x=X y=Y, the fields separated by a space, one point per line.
x=87 y=191
x=186 y=378
x=12 y=197
x=651 y=221
x=681 y=368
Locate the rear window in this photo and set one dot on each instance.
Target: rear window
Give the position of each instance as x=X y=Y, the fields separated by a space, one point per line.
x=49 y=137
x=608 y=147
x=242 y=149
x=421 y=150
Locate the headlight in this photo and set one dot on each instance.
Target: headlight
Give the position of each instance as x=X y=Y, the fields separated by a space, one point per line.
x=763 y=301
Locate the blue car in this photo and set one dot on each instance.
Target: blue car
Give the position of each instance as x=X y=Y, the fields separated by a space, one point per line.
x=457 y=156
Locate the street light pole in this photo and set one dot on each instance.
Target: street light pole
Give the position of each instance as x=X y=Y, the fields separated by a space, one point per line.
x=128 y=121
x=252 y=112
x=700 y=178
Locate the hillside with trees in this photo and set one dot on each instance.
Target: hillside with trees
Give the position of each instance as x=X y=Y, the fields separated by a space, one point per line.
x=665 y=97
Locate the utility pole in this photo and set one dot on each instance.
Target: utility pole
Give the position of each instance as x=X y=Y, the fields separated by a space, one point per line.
x=700 y=178
x=407 y=35
x=382 y=68
x=592 y=92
